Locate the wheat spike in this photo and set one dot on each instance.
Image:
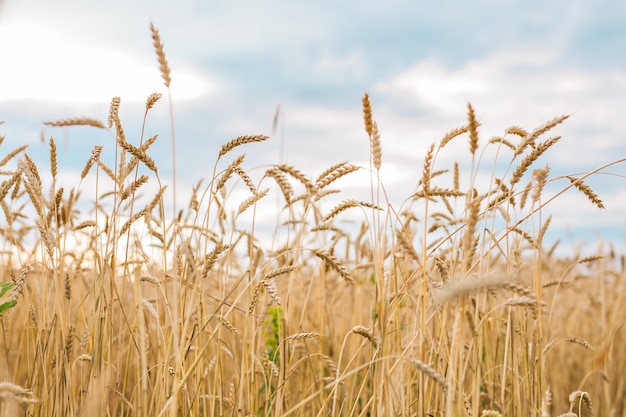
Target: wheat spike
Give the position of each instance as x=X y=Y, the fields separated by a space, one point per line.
x=95 y=156
x=472 y=127
x=226 y=323
x=539 y=177
x=426 y=173
x=537 y=151
x=164 y=66
x=228 y=172
x=345 y=205
x=303 y=336
x=451 y=135
x=587 y=191
x=12 y=154
x=246 y=179
x=469 y=236
x=376 y=150
x=334 y=264
x=138 y=153
x=368 y=119
x=371 y=127
x=580 y=341
x=583 y=398
x=6 y=185
x=366 y=333
x=152 y=99
x=53 y=158
x=334 y=173
x=16 y=393
x=238 y=141
x=77 y=121
x=114 y=108
x=211 y=258
x=504 y=142
x=280 y=271
x=546 y=402
x=545 y=127
x=133 y=187
x=516 y=130
x=282 y=181
x=431 y=373
x=250 y=201
x=298 y=175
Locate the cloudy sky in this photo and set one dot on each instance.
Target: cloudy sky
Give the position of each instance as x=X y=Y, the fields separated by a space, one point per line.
x=235 y=62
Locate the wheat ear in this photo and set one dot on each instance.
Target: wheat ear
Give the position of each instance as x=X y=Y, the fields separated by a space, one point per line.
x=238 y=141
x=587 y=191
x=164 y=67
x=77 y=121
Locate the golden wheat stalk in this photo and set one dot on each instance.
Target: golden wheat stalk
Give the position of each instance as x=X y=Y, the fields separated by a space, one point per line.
x=246 y=179
x=211 y=258
x=250 y=201
x=7 y=184
x=516 y=130
x=587 y=191
x=470 y=240
x=77 y=121
x=579 y=341
x=367 y=334
x=426 y=173
x=472 y=127
x=114 y=108
x=334 y=264
x=451 y=135
x=368 y=119
x=224 y=322
x=345 y=205
x=138 y=153
x=16 y=393
x=282 y=181
x=407 y=245
x=431 y=373
x=539 y=177
x=303 y=336
x=12 y=154
x=32 y=184
x=164 y=66
x=376 y=150
x=503 y=141
x=95 y=155
x=529 y=159
x=546 y=402
x=152 y=99
x=133 y=187
x=334 y=173
x=280 y=271
x=546 y=127
x=371 y=127
x=238 y=141
x=228 y=172
x=298 y=175
x=583 y=398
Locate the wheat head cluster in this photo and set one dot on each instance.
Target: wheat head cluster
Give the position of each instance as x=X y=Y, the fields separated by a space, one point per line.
x=448 y=305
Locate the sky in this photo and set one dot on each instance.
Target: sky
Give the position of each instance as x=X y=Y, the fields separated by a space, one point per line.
x=234 y=63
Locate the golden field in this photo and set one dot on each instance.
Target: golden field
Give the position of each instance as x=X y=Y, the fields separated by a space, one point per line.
x=450 y=305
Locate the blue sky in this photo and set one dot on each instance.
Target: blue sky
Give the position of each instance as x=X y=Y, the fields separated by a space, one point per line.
x=234 y=62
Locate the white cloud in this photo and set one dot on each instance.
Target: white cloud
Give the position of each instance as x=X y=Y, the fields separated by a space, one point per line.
x=525 y=88
x=42 y=62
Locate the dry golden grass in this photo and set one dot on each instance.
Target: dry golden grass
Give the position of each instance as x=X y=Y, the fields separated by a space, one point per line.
x=448 y=306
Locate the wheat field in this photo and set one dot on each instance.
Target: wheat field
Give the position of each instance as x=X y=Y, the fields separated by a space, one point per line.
x=141 y=304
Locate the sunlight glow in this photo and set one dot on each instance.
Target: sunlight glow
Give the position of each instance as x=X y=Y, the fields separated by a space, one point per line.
x=49 y=65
